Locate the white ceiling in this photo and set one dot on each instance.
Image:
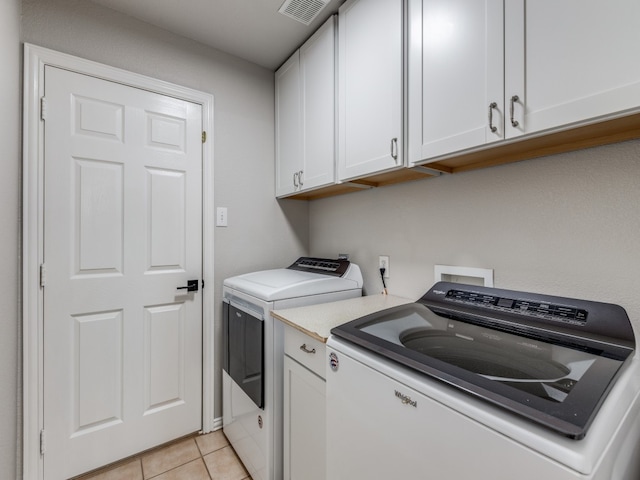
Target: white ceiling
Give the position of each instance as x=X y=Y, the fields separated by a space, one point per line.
x=249 y=29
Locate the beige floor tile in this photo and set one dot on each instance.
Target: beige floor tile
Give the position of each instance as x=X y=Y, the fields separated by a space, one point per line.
x=211 y=442
x=223 y=464
x=128 y=471
x=169 y=458
x=194 y=470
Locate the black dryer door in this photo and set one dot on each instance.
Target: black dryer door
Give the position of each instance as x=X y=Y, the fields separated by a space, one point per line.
x=243 y=354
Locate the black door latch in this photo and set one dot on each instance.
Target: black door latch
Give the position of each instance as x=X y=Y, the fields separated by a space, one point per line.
x=192 y=286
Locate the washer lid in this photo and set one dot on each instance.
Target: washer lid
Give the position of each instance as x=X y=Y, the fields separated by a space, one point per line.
x=284 y=283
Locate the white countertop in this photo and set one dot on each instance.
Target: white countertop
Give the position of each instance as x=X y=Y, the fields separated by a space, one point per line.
x=318 y=320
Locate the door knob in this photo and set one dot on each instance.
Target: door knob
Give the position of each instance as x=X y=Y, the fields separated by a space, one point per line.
x=192 y=286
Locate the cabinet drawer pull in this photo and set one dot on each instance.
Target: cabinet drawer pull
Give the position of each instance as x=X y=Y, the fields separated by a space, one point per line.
x=295 y=180
x=304 y=348
x=514 y=99
x=394 y=148
x=492 y=127
x=300 y=177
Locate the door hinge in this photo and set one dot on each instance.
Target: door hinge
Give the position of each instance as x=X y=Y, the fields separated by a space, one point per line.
x=43 y=108
x=43 y=444
x=204 y=137
x=43 y=275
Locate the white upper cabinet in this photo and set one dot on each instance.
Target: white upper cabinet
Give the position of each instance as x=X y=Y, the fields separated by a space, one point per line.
x=456 y=72
x=570 y=62
x=288 y=128
x=564 y=64
x=305 y=115
x=318 y=87
x=370 y=87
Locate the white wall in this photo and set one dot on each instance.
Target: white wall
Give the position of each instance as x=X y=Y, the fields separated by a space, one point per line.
x=566 y=225
x=261 y=234
x=9 y=237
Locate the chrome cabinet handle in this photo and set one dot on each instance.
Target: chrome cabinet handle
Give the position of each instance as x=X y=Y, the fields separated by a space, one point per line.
x=295 y=180
x=492 y=127
x=304 y=348
x=394 y=148
x=514 y=99
x=300 y=177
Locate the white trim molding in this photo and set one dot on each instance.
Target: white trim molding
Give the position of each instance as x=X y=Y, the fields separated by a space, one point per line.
x=35 y=60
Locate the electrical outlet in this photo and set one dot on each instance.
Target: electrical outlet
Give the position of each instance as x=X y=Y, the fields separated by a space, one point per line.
x=383 y=262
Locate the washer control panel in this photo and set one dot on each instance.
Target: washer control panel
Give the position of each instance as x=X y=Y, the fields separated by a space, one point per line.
x=548 y=311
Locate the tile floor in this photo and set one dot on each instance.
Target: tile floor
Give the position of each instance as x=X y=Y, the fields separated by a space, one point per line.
x=201 y=457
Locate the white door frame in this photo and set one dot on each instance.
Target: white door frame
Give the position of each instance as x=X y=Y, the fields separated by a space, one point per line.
x=35 y=59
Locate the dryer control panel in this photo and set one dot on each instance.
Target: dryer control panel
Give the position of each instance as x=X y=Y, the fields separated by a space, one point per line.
x=325 y=266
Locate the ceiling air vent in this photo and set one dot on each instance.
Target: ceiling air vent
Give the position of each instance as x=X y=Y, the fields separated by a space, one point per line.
x=303 y=11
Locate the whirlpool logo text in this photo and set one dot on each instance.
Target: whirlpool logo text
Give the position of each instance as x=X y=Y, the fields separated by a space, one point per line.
x=406 y=400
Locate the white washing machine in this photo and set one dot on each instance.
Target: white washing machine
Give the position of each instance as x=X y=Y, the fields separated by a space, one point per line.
x=480 y=383
x=252 y=377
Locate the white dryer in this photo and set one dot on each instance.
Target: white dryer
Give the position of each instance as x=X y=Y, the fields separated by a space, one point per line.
x=252 y=377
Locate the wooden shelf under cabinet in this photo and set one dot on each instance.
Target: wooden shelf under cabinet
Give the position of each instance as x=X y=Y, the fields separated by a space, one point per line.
x=595 y=134
x=587 y=136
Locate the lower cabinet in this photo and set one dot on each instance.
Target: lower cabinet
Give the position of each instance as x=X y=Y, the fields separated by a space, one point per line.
x=304 y=407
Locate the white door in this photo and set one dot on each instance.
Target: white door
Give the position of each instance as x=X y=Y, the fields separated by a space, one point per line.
x=318 y=99
x=288 y=126
x=370 y=87
x=456 y=76
x=570 y=62
x=122 y=230
x=304 y=423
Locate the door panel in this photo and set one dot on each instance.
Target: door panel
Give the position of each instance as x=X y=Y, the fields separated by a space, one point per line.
x=93 y=117
x=288 y=125
x=571 y=66
x=167 y=214
x=164 y=356
x=370 y=104
x=123 y=230
x=97 y=362
x=317 y=96
x=456 y=71
x=99 y=217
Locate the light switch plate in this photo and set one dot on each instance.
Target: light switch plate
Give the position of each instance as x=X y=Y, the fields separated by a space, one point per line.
x=221 y=217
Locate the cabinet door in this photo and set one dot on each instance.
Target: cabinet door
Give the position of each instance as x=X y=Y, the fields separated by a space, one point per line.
x=570 y=62
x=288 y=129
x=370 y=87
x=318 y=79
x=304 y=423
x=456 y=75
